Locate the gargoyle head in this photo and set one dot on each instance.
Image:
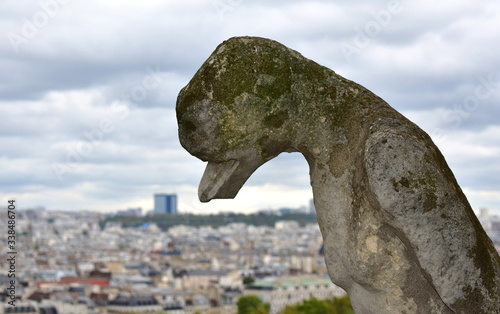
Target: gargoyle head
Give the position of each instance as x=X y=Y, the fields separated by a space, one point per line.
x=234 y=113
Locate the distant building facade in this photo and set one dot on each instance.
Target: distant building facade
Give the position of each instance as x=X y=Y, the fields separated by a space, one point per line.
x=165 y=203
x=286 y=225
x=130 y=212
x=134 y=304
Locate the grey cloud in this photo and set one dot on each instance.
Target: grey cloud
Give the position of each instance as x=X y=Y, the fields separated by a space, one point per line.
x=69 y=76
x=95 y=49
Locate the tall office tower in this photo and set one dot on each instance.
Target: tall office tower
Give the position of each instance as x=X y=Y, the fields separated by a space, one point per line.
x=165 y=203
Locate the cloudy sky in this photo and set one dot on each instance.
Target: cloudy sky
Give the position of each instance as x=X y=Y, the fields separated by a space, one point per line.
x=88 y=91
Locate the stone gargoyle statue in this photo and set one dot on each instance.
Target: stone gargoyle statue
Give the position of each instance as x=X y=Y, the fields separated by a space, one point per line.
x=399 y=234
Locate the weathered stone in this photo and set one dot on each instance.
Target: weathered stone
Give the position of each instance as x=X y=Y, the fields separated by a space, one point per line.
x=399 y=234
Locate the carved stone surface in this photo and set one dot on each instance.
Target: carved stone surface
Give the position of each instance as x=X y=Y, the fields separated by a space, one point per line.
x=399 y=234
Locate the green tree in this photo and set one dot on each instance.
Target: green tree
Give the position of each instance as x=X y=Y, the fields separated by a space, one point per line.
x=252 y=304
x=248 y=280
x=310 y=306
x=342 y=304
x=336 y=305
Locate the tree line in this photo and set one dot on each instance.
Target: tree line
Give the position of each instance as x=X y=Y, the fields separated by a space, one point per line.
x=165 y=221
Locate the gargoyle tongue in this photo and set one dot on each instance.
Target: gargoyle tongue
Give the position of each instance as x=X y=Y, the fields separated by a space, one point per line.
x=217 y=181
x=225 y=179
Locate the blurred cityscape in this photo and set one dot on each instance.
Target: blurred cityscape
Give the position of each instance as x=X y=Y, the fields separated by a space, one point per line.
x=90 y=262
